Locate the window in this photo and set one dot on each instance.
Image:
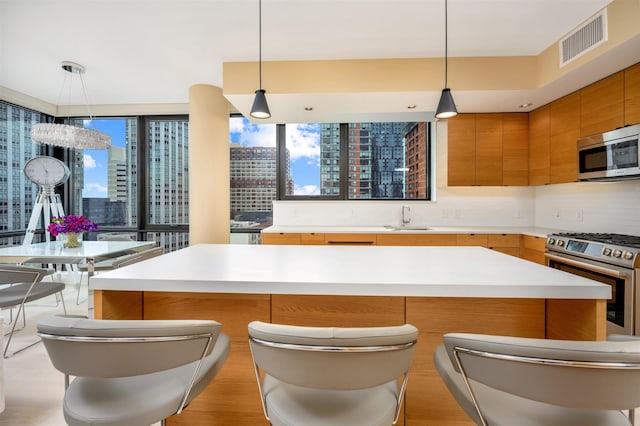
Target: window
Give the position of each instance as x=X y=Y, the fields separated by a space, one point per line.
x=104 y=181
x=253 y=184
x=356 y=161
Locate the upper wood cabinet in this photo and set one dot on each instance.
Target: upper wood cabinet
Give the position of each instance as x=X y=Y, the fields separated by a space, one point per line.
x=515 y=149
x=602 y=105
x=632 y=95
x=564 y=131
x=488 y=149
x=539 y=161
x=461 y=150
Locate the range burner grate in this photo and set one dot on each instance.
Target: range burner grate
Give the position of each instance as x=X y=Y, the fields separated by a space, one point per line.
x=618 y=239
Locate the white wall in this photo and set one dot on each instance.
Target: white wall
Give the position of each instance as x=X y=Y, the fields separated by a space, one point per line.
x=584 y=206
x=590 y=206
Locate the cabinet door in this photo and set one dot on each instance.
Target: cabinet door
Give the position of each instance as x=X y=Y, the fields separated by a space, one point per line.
x=564 y=131
x=489 y=149
x=603 y=105
x=632 y=95
x=461 y=150
x=515 y=149
x=539 y=146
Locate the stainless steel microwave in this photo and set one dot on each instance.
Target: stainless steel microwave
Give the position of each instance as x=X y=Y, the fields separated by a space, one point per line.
x=612 y=155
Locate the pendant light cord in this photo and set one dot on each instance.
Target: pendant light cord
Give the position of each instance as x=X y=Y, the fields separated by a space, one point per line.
x=446 y=53
x=260 y=42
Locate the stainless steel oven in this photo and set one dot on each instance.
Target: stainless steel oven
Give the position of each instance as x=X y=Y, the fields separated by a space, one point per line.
x=611 y=259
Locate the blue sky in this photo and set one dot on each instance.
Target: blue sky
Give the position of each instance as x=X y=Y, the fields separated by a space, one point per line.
x=303 y=142
x=96 y=161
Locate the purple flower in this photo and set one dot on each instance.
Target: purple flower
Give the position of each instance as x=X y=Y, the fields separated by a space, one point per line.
x=70 y=223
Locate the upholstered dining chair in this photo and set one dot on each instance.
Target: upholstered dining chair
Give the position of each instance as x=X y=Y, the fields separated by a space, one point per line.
x=132 y=372
x=500 y=380
x=23 y=284
x=331 y=376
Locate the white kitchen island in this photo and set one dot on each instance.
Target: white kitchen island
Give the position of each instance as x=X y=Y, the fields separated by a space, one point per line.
x=438 y=289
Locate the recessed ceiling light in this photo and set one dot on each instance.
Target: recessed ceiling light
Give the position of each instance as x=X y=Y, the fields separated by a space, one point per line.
x=308 y=108
x=527 y=105
x=411 y=106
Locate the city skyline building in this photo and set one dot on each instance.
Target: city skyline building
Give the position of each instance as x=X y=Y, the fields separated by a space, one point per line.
x=18 y=194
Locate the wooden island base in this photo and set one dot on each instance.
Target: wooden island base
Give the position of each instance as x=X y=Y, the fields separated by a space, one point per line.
x=233 y=399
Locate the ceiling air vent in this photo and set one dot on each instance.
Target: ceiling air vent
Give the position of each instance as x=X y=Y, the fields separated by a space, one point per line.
x=584 y=38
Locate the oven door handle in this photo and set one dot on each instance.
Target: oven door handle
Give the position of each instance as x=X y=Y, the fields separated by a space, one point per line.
x=587 y=266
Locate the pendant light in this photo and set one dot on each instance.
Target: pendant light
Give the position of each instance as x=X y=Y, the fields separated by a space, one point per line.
x=66 y=135
x=260 y=108
x=446 y=106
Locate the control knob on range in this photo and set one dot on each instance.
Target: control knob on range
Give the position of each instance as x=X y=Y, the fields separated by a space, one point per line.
x=606 y=251
x=617 y=253
x=560 y=243
x=627 y=255
x=552 y=241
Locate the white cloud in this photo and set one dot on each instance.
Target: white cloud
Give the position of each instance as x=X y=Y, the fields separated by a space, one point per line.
x=303 y=140
x=95 y=188
x=306 y=190
x=252 y=134
x=89 y=162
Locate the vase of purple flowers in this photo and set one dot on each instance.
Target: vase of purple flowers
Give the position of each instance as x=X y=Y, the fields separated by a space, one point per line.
x=70 y=229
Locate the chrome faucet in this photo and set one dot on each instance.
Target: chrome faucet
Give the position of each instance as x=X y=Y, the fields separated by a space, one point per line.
x=406 y=216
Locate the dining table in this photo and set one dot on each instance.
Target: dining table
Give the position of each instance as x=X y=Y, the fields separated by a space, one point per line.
x=54 y=252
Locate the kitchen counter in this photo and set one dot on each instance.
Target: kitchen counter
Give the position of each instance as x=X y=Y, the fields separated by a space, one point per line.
x=349 y=270
x=525 y=230
x=438 y=289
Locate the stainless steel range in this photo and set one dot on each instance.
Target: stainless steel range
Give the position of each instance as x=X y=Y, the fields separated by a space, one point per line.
x=612 y=259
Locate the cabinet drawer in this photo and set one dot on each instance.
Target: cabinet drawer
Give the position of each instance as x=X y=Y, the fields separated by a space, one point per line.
x=280 y=238
x=416 y=240
x=472 y=240
x=350 y=239
x=312 y=238
x=534 y=243
x=503 y=240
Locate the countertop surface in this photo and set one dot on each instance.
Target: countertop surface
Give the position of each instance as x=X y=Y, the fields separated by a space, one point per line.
x=415 y=229
x=349 y=270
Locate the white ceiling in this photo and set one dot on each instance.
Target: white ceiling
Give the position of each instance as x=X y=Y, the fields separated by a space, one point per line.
x=152 y=51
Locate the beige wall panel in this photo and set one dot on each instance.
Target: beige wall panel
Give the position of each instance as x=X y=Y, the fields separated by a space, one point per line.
x=209 y=193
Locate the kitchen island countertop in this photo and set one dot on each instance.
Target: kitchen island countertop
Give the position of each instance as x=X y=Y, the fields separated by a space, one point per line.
x=349 y=270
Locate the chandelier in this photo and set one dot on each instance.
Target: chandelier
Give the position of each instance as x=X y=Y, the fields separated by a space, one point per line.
x=68 y=136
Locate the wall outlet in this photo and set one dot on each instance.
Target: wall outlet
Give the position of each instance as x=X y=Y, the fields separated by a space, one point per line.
x=580 y=216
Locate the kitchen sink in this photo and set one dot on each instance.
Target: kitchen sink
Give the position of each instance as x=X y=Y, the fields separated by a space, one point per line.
x=407 y=228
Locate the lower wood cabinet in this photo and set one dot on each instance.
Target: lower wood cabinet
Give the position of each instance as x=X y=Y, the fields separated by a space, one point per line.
x=504 y=243
x=533 y=249
x=232 y=398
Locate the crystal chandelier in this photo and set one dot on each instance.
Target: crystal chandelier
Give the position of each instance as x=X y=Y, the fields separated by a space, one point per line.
x=67 y=136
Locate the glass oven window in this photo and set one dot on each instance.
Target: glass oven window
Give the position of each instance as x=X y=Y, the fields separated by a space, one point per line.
x=615 y=305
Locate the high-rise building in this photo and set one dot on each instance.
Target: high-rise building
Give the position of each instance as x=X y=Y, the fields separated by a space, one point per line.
x=330 y=159
x=417 y=154
x=18 y=194
x=253 y=178
x=117 y=174
x=168 y=171
x=377 y=160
